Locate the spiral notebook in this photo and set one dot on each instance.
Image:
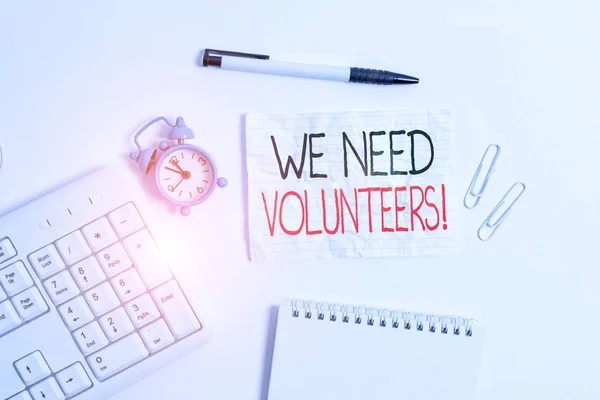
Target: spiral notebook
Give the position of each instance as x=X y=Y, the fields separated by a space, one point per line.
x=332 y=351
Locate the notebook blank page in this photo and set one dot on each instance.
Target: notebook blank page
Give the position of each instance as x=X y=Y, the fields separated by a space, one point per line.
x=321 y=359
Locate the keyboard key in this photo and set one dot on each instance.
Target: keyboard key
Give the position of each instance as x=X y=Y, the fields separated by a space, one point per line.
x=157 y=336
x=102 y=298
x=47 y=390
x=114 y=260
x=24 y=395
x=30 y=304
x=176 y=309
x=99 y=234
x=61 y=287
x=142 y=310
x=7 y=250
x=3 y=295
x=147 y=258
x=90 y=338
x=73 y=248
x=76 y=313
x=73 y=379
x=116 y=324
x=126 y=220
x=88 y=273
x=128 y=285
x=9 y=319
x=32 y=368
x=15 y=278
x=118 y=356
x=46 y=261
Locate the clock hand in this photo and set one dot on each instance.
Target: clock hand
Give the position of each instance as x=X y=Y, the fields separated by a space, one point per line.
x=178 y=167
x=174 y=170
x=177 y=184
x=185 y=174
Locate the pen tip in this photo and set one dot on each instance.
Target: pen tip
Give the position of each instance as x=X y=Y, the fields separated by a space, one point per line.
x=401 y=79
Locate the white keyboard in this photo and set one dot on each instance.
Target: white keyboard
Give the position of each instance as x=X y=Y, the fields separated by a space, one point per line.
x=88 y=305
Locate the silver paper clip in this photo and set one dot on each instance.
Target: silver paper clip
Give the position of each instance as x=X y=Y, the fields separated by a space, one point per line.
x=493 y=222
x=471 y=193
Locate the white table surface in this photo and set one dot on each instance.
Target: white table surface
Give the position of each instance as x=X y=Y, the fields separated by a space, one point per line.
x=77 y=80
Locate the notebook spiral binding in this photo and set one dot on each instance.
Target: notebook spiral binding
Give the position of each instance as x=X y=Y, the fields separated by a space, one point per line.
x=383 y=318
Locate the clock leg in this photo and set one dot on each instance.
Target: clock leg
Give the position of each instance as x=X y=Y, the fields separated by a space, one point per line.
x=185 y=211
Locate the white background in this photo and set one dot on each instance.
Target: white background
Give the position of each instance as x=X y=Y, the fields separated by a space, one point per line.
x=77 y=80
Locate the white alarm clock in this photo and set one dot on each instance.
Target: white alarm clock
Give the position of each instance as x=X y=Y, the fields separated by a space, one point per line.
x=185 y=174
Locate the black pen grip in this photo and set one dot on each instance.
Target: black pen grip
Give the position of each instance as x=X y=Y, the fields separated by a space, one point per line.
x=379 y=77
x=368 y=75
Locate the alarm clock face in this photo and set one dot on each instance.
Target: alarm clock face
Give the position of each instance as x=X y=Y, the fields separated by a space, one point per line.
x=185 y=175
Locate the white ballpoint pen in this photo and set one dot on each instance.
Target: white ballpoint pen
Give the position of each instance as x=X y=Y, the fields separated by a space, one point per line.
x=259 y=63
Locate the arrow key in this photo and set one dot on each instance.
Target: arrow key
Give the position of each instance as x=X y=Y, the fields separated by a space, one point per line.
x=73 y=380
x=32 y=367
x=47 y=390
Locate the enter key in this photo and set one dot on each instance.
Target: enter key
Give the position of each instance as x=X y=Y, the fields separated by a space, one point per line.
x=175 y=308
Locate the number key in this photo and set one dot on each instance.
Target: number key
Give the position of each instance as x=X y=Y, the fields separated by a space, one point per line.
x=76 y=313
x=114 y=260
x=142 y=310
x=128 y=285
x=117 y=357
x=88 y=273
x=61 y=287
x=102 y=298
x=116 y=324
x=90 y=338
